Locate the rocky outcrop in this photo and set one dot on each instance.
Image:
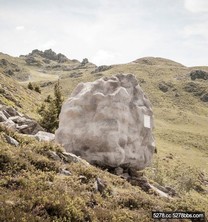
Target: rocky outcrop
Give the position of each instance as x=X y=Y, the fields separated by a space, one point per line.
x=13 y=70
x=197 y=90
x=51 y=55
x=199 y=74
x=108 y=122
x=6 y=64
x=194 y=88
x=165 y=86
x=30 y=60
x=11 y=140
x=12 y=119
x=101 y=69
x=84 y=62
x=75 y=75
x=48 y=55
x=204 y=98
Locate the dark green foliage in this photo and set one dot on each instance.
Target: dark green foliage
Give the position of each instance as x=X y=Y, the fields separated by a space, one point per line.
x=41 y=110
x=50 y=117
x=51 y=113
x=37 y=89
x=30 y=86
x=58 y=98
x=48 y=99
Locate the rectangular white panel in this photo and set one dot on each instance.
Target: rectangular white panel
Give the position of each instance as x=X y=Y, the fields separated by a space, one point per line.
x=147 y=121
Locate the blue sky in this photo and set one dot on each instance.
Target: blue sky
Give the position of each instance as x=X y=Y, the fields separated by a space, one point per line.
x=107 y=31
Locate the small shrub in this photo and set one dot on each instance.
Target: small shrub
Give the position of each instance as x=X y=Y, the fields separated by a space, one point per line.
x=48 y=99
x=30 y=86
x=37 y=89
x=45 y=165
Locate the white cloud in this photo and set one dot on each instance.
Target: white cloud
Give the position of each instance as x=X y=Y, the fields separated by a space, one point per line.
x=196 y=5
x=200 y=29
x=104 y=57
x=107 y=31
x=47 y=45
x=21 y=27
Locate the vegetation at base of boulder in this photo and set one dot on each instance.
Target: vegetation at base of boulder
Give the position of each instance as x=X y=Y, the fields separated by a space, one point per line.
x=50 y=112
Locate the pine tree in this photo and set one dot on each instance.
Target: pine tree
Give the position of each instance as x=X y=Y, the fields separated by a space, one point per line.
x=58 y=98
x=51 y=113
x=49 y=118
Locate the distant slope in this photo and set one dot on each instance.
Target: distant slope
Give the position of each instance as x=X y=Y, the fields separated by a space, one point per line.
x=13 y=94
x=157 y=61
x=40 y=66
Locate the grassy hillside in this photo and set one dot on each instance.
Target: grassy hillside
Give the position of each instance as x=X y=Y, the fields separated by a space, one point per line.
x=181 y=132
x=15 y=95
x=34 y=189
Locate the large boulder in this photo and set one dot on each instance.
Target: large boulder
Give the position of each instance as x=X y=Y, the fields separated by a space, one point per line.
x=109 y=123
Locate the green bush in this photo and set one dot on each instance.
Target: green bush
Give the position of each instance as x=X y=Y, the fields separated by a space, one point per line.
x=50 y=113
x=37 y=89
x=30 y=86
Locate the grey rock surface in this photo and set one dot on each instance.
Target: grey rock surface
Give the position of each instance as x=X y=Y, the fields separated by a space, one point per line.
x=101 y=69
x=163 y=87
x=11 y=140
x=2 y=117
x=53 y=155
x=204 y=98
x=199 y=74
x=9 y=124
x=44 y=136
x=25 y=125
x=12 y=119
x=11 y=111
x=108 y=122
x=100 y=185
x=65 y=172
